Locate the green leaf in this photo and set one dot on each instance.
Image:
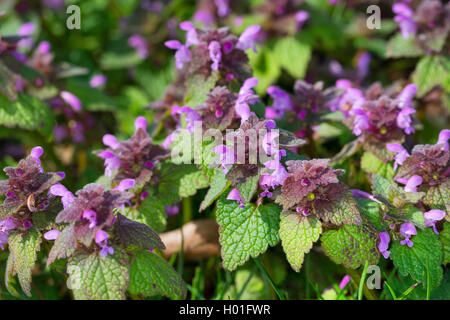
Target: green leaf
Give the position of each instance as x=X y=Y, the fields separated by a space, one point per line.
x=98 y=278
x=93 y=99
x=372 y=164
x=152 y=212
x=425 y=253
x=385 y=188
x=7 y=83
x=430 y=72
x=298 y=234
x=150 y=275
x=191 y=182
x=265 y=67
x=198 y=88
x=371 y=210
x=135 y=233
x=170 y=181
x=438 y=197
x=23 y=249
x=444 y=236
x=246 y=232
x=27 y=113
x=398 y=47
x=351 y=246
x=248 y=188
x=219 y=183
x=64 y=245
x=293 y=56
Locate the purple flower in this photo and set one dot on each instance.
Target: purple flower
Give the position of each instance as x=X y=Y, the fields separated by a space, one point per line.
x=9 y=224
x=112 y=162
x=223 y=7
x=234 y=195
x=401 y=155
x=215 y=54
x=413 y=183
x=276 y=178
x=61 y=191
x=169 y=140
x=361 y=121
x=36 y=153
x=190 y=116
x=248 y=38
x=172 y=210
x=91 y=216
x=140 y=123
x=191 y=33
x=26 y=30
x=404 y=19
x=52 y=234
x=406 y=95
x=444 y=135
x=111 y=141
x=281 y=99
x=204 y=17
x=27 y=224
x=384 y=244
x=71 y=100
x=432 y=216
x=43 y=47
x=245 y=97
x=97 y=81
x=407 y=230
x=362 y=194
x=101 y=238
x=404 y=119
x=182 y=55
x=226 y=156
x=362 y=64
x=345 y=280
x=125 y=184
x=3 y=239
x=139 y=43
x=300 y=17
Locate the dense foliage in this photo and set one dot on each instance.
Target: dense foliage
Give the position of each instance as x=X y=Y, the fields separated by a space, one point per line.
x=319 y=145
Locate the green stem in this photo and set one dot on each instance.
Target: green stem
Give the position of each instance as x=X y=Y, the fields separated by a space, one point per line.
x=267 y=276
x=361 y=282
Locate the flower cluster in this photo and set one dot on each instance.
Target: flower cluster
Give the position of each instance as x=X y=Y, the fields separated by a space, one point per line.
x=312 y=187
x=429 y=24
x=26 y=193
x=134 y=158
x=214 y=50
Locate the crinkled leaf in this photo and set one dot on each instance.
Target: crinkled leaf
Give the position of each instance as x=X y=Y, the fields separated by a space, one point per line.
x=430 y=71
x=444 y=236
x=351 y=246
x=134 y=233
x=248 y=188
x=438 y=197
x=152 y=212
x=298 y=234
x=339 y=208
x=218 y=184
x=150 y=275
x=426 y=253
x=170 y=182
x=98 y=278
x=198 y=87
x=398 y=47
x=191 y=182
x=372 y=164
x=27 y=113
x=371 y=210
x=292 y=55
x=64 y=245
x=23 y=247
x=246 y=232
